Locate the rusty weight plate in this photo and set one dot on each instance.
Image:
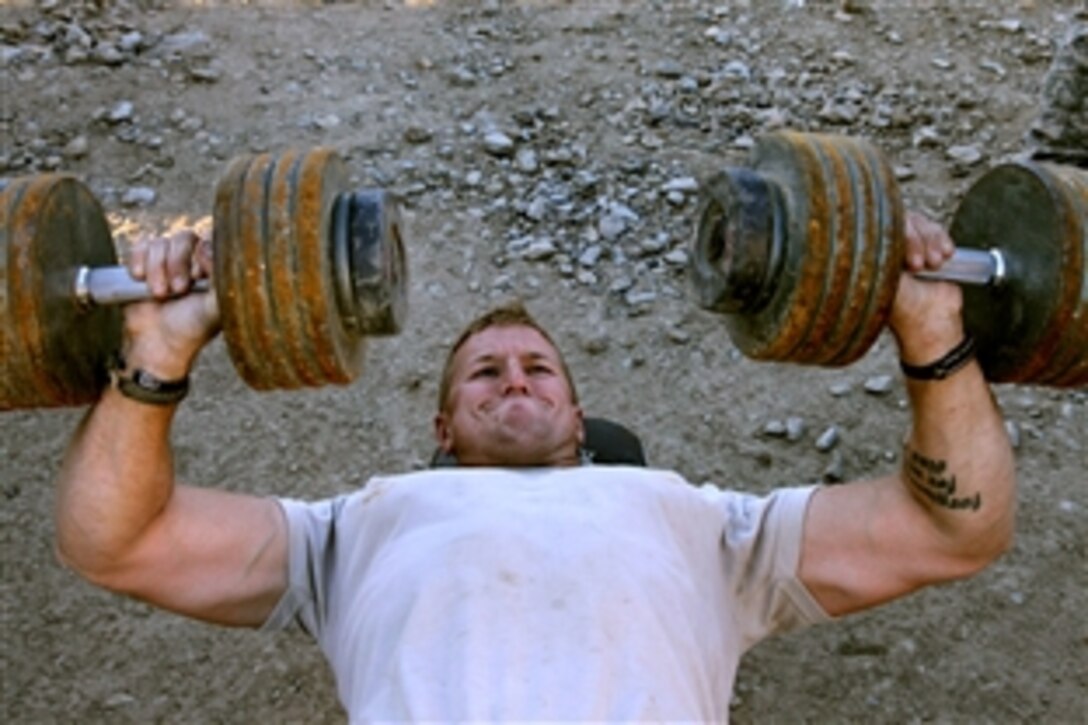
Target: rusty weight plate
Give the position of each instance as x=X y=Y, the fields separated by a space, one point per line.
x=881 y=241
x=229 y=271
x=834 y=283
x=775 y=331
x=55 y=353
x=320 y=179
x=1032 y=327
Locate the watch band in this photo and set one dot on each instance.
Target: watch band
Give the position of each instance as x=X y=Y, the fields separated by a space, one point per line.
x=144 y=387
x=940 y=369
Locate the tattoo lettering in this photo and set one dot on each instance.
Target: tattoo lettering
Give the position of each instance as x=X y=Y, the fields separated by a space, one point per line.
x=931 y=478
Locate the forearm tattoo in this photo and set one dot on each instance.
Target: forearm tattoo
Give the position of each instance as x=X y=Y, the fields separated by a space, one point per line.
x=931 y=478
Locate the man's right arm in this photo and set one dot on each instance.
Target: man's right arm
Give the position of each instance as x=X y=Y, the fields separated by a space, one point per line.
x=122 y=520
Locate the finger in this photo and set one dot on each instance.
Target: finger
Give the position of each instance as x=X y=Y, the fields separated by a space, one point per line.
x=202 y=258
x=914 y=254
x=155 y=272
x=179 y=258
x=137 y=259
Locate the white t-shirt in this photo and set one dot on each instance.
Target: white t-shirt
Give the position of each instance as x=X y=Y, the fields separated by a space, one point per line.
x=587 y=593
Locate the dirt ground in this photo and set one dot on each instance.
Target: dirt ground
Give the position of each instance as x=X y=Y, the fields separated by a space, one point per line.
x=610 y=109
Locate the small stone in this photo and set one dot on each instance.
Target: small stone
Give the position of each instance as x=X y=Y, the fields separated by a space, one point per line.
x=833 y=473
x=596 y=343
x=526 y=161
x=966 y=155
x=774 y=429
x=795 y=428
x=840 y=389
x=678 y=335
x=498 y=144
x=682 y=184
x=417 y=135
x=119 y=699
x=121 y=112
x=590 y=255
x=540 y=249
x=879 y=384
x=77 y=148
x=205 y=74
x=828 y=439
x=138 y=196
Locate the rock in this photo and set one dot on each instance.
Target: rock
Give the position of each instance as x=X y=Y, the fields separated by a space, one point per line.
x=834 y=472
x=795 y=428
x=122 y=112
x=498 y=144
x=840 y=389
x=138 y=196
x=417 y=135
x=969 y=155
x=77 y=148
x=828 y=439
x=879 y=384
x=774 y=429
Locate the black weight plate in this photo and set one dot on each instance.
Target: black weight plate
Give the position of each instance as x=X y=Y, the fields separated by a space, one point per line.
x=1069 y=365
x=1024 y=210
x=378 y=268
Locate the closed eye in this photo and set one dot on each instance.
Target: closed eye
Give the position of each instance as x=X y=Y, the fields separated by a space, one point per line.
x=488 y=371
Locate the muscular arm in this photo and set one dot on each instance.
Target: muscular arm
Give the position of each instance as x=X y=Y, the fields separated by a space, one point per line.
x=123 y=522
x=949 y=510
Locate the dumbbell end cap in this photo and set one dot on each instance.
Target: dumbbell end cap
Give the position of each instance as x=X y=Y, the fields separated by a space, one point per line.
x=738 y=239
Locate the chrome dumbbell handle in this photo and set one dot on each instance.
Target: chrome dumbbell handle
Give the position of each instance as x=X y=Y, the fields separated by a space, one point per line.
x=971 y=266
x=96 y=286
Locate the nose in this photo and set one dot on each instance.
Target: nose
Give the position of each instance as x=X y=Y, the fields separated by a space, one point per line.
x=515 y=379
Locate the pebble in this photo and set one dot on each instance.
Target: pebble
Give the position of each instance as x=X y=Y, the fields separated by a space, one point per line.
x=834 y=471
x=879 y=384
x=498 y=144
x=138 y=196
x=774 y=429
x=795 y=428
x=121 y=112
x=828 y=439
x=840 y=389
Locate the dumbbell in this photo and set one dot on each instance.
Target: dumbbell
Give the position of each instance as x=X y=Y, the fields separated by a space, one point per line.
x=304 y=270
x=801 y=250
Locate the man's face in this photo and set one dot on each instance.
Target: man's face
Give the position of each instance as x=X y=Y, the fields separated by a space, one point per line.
x=510 y=402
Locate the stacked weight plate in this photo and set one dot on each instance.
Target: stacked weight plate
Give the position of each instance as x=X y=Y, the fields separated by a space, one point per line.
x=54 y=354
x=829 y=228
x=1034 y=327
x=274 y=273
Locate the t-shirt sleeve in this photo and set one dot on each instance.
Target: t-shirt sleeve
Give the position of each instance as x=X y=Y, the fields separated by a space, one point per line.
x=311 y=528
x=761 y=553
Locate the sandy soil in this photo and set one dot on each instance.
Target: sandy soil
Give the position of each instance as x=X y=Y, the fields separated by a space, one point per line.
x=406 y=94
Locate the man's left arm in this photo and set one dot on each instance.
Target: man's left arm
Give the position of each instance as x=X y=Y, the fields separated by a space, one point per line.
x=949 y=510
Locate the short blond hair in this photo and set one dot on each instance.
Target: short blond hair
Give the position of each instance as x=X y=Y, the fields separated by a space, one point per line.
x=510 y=314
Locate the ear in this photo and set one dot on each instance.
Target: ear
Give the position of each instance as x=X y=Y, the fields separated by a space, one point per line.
x=443 y=432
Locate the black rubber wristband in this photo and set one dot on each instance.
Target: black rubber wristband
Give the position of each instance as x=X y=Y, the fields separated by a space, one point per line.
x=144 y=387
x=955 y=359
